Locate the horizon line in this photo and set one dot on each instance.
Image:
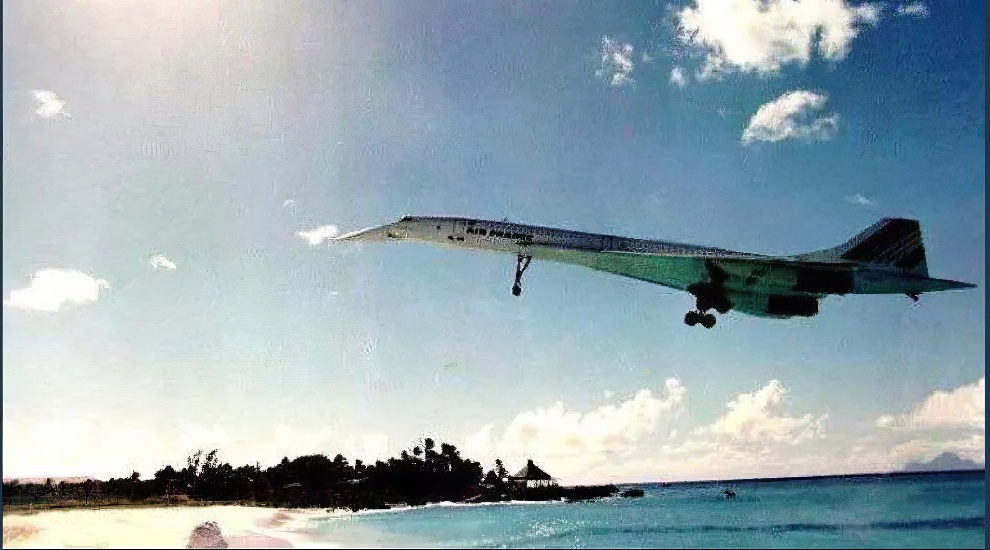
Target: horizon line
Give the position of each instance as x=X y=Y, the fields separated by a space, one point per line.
x=812 y=477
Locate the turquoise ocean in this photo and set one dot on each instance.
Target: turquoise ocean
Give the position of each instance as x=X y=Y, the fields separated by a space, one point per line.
x=917 y=511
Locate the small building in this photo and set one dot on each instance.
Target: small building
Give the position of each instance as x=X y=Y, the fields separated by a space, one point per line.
x=532 y=476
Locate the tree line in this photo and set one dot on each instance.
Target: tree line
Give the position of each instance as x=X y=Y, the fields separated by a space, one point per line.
x=424 y=473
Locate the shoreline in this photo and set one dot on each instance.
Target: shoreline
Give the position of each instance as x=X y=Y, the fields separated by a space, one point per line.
x=241 y=526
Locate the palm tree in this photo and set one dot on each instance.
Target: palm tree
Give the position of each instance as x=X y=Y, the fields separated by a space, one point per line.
x=135 y=477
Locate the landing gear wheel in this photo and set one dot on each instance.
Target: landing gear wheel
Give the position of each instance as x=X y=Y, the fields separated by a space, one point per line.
x=708 y=320
x=516 y=290
x=691 y=318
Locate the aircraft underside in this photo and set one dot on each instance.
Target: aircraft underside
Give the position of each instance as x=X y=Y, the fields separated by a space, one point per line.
x=768 y=287
x=749 y=287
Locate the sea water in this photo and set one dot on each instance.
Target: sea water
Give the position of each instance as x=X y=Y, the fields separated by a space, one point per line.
x=923 y=511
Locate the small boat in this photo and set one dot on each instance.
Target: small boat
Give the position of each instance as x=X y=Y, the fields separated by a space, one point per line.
x=729 y=493
x=632 y=493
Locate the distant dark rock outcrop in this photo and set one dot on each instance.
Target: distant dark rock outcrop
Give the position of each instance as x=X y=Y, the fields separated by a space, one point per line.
x=943 y=462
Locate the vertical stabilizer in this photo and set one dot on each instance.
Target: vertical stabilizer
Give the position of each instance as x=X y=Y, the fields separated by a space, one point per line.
x=893 y=243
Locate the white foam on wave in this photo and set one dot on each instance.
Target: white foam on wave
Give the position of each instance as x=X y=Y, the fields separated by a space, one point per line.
x=343 y=515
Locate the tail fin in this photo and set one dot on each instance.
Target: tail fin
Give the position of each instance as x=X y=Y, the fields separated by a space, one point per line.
x=891 y=242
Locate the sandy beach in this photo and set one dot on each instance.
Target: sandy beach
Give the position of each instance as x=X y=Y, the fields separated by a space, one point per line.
x=240 y=527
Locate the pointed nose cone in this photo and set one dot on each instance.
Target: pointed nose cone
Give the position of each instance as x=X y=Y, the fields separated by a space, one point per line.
x=395 y=230
x=377 y=233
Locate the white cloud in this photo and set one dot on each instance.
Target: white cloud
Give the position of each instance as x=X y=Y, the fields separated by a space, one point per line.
x=859 y=199
x=787 y=117
x=49 y=104
x=755 y=418
x=945 y=422
x=160 y=261
x=571 y=441
x=53 y=288
x=617 y=62
x=320 y=234
x=679 y=77
x=961 y=408
x=763 y=35
x=481 y=444
x=647 y=437
x=916 y=9
x=754 y=438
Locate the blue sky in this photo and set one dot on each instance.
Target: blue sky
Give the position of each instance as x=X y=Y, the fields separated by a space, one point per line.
x=212 y=134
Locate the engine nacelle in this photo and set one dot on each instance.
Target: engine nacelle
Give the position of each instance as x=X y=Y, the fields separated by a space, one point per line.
x=774 y=305
x=792 y=306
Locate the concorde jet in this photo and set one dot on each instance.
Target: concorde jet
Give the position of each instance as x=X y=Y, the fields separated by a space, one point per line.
x=885 y=258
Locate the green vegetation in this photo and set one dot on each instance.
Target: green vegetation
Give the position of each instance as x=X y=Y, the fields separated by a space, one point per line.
x=418 y=476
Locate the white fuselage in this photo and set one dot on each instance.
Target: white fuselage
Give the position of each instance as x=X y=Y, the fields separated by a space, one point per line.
x=514 y=238
x=671 y=264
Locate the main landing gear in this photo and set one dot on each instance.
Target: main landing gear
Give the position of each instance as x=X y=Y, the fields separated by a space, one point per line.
x=719 y=303
x=522 y=262
x=692 y=318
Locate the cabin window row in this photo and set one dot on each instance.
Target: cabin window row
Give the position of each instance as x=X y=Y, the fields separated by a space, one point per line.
x=497 y=233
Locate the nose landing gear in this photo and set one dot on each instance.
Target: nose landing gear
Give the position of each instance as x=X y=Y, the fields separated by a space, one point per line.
x=522 y=262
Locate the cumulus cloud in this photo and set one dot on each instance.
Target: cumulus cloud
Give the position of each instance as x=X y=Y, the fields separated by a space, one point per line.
x=49 y=105
x=790 y=117
x=639 y=438
x=571 y=440
x=319 y=235
x=916 y=9
x=159 y=261
x=617 y=62
x=950 y=421
x=678 y=76
x=53 y=288
x=961 y=408
x=763 y=35
x=859 y=199
x=756 y=418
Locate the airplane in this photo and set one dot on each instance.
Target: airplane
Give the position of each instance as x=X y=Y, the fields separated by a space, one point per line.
x=886 y=258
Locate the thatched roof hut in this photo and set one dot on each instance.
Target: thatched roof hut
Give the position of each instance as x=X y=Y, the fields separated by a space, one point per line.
x=532 y=476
